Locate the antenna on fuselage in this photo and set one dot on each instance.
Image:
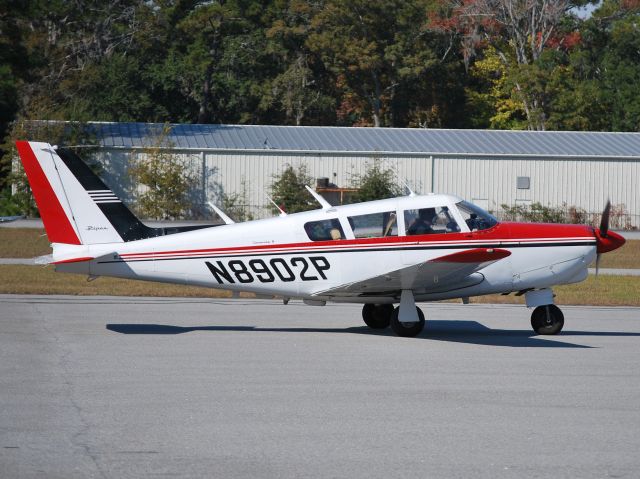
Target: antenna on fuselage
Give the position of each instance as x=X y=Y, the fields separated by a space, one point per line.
x=411 y=192
x=324 y=203
x=221 y=214
x=282 y=213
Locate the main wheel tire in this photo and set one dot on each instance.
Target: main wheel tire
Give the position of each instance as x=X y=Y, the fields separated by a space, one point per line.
x=547 y=319
x=407 y=330
x=377 y=316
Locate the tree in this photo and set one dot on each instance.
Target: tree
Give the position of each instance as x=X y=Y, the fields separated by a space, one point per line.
x=288 y=190
x=300 y=89
x=519 y=31
x=378 y=51
x=236 y=204
x=377 y=183
x=597 y=89
x=167 y=180
x=69 y=134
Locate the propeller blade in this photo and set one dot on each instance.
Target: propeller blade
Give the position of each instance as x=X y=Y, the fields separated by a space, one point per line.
x=604 y=222
x=598 y=263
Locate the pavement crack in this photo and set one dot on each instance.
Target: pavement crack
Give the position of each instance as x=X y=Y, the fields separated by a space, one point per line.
x=64 y=364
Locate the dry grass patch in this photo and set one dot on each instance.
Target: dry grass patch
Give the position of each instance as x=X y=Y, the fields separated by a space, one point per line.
x=600 y=291
x=20 y=279
x=627 y=257
x=23 y=243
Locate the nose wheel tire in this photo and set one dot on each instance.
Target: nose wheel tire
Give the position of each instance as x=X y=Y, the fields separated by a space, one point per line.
x=407 y=330
x=377 y=316
x=547 y=319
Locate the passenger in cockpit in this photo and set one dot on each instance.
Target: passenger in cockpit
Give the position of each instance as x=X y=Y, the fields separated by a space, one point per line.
x=422 y=224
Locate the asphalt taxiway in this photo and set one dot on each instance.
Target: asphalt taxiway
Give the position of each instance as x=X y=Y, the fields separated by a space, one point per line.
x=147 y=387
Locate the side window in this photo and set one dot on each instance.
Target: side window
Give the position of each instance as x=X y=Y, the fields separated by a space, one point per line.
x=374 y=225
x=324 y=230
x=424 y=221
x=475 y=217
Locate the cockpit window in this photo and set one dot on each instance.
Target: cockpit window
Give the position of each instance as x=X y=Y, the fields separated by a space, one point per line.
x=374 y=225
x=324 y=230
x=430 y=220
x=475 y=217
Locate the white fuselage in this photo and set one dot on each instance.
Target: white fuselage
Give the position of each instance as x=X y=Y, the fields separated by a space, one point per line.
x=276 y=256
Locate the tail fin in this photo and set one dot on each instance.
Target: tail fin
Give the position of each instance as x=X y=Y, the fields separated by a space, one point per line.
x=75 y=205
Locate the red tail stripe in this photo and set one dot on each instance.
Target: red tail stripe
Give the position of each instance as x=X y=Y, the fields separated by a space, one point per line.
x=73 y=260
x=55 y=220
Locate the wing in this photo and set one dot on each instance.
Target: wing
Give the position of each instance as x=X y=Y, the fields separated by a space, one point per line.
x=433 y=275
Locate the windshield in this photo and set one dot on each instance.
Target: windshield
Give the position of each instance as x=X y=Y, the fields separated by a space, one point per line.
x=475 y=217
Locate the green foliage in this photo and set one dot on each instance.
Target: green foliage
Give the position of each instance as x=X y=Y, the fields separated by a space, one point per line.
x=55 y=133
x=9 y=204
x=534 y=213
x=167 y=181
x=288 y=190
x=236 y=205
x=619 y=217
x=377 y=183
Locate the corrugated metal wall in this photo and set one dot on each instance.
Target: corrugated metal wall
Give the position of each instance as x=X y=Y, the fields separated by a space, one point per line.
x=553 y=182
x=258 y=172
x=489 y=182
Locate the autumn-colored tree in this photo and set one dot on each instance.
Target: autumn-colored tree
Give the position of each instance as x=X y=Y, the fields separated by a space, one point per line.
x=519 y=32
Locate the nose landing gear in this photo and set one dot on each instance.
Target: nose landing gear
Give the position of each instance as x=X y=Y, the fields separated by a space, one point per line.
x=547 y=319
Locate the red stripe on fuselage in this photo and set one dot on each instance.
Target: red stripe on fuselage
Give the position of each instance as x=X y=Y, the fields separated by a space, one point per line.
x=521 y=233
x=56 y=223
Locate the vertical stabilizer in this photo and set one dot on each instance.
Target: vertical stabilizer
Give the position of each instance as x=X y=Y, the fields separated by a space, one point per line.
x=70 y=213
x=76 y=206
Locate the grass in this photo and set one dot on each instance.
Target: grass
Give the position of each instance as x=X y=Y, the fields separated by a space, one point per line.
x=600 y=291
x=20 y=279
x=627 y=257
x=23 y=243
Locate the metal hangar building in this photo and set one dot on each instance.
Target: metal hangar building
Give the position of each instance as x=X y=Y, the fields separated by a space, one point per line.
x=488 y=167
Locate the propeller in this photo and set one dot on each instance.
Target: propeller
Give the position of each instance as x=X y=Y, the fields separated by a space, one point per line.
x=603 y=232
x=604 y=222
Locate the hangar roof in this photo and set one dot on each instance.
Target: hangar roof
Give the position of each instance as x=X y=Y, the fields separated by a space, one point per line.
x=374 y=140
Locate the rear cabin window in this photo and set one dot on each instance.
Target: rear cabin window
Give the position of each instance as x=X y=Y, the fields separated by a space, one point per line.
x=425 y=221
x=324 y=230
x=374 y=225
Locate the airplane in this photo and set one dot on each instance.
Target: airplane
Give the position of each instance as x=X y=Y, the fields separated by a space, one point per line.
x=380 y=253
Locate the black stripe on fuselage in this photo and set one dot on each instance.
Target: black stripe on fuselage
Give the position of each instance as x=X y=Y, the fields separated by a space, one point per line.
x=355 y=250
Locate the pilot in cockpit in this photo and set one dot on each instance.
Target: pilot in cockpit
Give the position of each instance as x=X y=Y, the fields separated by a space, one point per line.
x=423 y=223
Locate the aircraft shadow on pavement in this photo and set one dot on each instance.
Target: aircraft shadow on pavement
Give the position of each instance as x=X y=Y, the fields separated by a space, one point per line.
x=470 y=332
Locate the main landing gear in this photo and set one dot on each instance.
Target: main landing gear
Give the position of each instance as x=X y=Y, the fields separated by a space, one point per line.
x=547 y=318
x=407 y=320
